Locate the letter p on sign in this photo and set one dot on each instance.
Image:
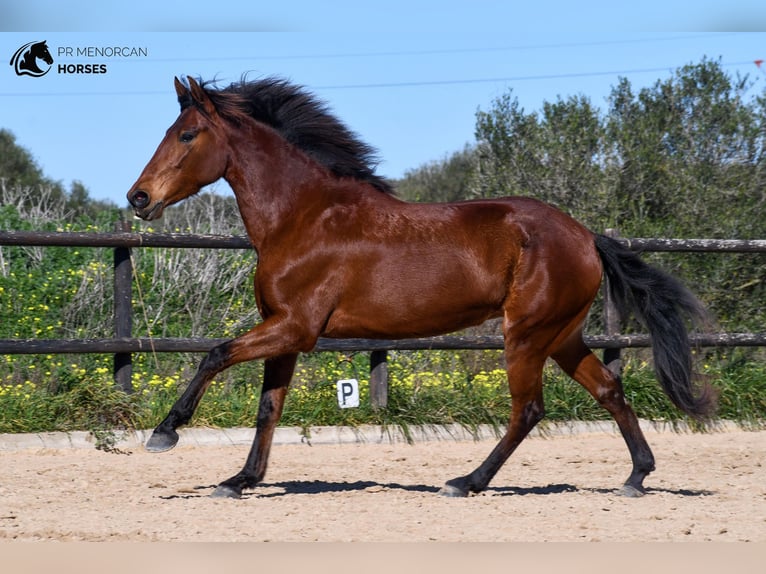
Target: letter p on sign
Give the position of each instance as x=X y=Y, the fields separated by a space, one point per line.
x=348 y=393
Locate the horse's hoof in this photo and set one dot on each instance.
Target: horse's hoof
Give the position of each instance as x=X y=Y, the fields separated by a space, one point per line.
x=452 y=491
x=225 y=491
x=161 y=441
x=629 y=491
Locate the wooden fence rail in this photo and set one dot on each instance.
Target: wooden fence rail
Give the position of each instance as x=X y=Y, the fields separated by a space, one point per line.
x=123 y=345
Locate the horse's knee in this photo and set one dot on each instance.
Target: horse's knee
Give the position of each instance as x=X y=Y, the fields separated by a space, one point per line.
x=216 y=359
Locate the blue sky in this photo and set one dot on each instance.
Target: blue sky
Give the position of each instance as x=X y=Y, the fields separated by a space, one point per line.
x=407 y=77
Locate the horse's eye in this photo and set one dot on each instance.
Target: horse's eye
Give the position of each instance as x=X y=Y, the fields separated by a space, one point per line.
x=186 y=137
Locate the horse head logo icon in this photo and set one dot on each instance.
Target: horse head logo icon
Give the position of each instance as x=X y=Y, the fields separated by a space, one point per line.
x=25 y=60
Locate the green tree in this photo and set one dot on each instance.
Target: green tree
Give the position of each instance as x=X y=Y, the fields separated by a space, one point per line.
x=687 y=154
x=445 y=180
x=556 y=156
x=17 y=166
x=19 y=170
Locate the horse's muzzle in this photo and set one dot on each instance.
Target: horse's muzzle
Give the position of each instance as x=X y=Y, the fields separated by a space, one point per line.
x=142 y=205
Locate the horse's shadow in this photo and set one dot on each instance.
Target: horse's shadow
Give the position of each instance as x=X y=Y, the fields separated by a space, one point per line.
x=278 y=489
x=564 y=488
x=292 y=487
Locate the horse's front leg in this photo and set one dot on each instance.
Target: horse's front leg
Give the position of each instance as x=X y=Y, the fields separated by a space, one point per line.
x=272 y=338
x=278 y=372
x=165 y=436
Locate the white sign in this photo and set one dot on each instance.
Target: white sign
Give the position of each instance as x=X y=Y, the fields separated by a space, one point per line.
x=348 y=393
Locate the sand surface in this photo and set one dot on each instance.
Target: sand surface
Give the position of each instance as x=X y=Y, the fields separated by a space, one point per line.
x=707 y=487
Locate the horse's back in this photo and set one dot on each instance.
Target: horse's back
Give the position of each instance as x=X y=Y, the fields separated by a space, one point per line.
x=529 y=228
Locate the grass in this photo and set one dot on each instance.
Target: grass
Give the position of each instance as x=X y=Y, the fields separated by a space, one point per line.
x=440 y=391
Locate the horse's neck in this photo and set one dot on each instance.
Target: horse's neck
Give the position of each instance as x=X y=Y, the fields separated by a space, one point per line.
x=270 y=180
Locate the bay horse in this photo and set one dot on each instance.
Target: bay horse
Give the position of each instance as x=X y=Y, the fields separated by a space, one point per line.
x=339 y=255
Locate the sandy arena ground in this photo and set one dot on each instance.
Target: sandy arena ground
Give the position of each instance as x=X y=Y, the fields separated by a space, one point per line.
x=707 y=487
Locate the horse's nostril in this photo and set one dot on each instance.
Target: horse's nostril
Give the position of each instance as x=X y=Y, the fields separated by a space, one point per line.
x=139 y=199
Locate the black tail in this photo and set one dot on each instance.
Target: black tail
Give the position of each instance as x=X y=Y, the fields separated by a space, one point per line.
x=662 y=304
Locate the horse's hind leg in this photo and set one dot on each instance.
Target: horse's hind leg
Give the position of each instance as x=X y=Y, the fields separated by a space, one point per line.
x=533 y=323
x=278 y=372
x=577 y=360
x=525 y=380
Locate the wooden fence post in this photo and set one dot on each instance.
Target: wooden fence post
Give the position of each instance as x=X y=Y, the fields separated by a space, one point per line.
x=612 y=358
x=379 y=379
x=123 y=311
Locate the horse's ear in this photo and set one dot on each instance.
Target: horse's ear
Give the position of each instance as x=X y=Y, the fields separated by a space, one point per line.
x=200 y=97
x=181 y=90
x=184 y=97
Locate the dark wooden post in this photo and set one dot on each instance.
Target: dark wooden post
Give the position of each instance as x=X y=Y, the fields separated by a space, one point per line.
x=379 y=379
x=123 y=312
x=611 y=321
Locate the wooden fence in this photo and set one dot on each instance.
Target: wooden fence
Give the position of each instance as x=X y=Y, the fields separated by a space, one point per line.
x=123 y=344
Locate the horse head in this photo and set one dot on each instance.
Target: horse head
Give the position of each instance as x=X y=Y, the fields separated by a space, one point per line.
x=191 y=155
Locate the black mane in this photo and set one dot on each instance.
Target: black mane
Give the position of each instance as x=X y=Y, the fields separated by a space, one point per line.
x=304 y=121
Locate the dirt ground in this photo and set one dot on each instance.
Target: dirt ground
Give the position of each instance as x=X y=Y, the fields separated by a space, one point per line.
x=707 y=487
